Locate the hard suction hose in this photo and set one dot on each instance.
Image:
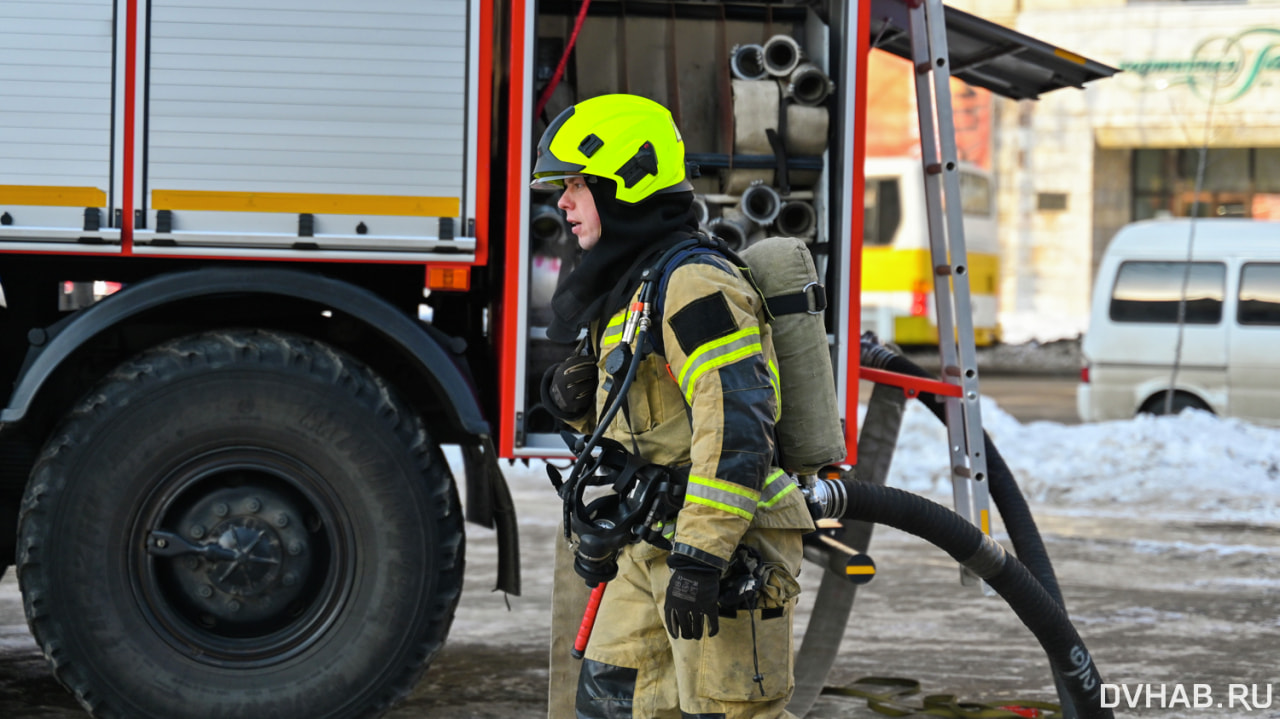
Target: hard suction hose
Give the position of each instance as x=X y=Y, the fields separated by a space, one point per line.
x=1040 y=612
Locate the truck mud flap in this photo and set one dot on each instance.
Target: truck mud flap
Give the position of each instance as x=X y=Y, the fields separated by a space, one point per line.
x=489 y=505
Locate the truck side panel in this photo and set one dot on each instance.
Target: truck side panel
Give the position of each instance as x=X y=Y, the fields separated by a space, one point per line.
x=56 y=117
x=259 y=111
x=267 y=130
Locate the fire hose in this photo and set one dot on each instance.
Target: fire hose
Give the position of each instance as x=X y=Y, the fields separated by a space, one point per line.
x=1009 y=577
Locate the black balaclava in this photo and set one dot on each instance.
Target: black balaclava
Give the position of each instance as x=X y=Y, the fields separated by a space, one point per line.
x=632 y=236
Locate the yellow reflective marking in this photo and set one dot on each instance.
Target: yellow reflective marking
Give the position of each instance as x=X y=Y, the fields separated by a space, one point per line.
x=859 y=569
x=719 y=362
x=773 y=477
x=721 y=506
x=776 y=380
x=217 y=201
x=611 y=334
x=1069 y=56
x=724 y=486
x=692 y=359
x=779 y=496
x=985 y=518
x=52 y=196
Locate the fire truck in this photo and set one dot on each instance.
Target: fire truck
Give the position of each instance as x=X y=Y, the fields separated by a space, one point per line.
x=261 y=260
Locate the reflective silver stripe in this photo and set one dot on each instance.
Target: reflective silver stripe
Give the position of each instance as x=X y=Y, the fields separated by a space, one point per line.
x=716 y=353
x=778 y=485
x=722 y=495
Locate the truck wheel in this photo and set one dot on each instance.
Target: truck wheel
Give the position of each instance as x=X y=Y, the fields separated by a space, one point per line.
x=240 y=523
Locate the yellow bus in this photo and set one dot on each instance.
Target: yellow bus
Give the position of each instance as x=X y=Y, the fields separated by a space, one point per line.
x=897 y=273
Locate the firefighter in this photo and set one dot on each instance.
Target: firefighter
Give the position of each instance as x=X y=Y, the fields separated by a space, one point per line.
x=700 y=624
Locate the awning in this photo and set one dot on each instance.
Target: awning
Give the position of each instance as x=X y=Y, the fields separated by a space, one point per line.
x=988 y=55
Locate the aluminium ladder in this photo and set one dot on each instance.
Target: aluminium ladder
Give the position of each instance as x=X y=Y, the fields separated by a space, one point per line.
x=927 y=26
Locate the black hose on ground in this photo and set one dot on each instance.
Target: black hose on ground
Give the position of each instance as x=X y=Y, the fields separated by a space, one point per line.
x=1009 y=500
x=1045 y=617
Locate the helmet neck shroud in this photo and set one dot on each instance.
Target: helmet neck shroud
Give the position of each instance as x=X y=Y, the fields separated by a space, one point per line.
x=631 y=237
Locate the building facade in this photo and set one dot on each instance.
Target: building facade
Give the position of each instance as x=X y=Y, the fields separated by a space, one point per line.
x=1191 y=126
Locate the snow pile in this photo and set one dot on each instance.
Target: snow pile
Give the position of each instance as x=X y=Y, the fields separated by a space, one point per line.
x=1193 y=466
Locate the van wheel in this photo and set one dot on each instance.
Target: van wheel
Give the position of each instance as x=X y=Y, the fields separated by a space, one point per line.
x=1181 y=401
x=240 y=523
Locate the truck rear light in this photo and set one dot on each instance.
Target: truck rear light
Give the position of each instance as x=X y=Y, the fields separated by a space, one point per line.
x=919 y=304
x=457 y=279
x=1084 y=374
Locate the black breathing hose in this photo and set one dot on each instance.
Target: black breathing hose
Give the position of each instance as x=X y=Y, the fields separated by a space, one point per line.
x=1029 y=600
x=1009 y=500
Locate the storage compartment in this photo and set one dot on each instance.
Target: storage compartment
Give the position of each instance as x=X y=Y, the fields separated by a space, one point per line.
x=750 y=87
x=292 y=124
x=55 y=148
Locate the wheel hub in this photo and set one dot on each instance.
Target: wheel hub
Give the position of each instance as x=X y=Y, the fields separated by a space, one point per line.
x=266 y=563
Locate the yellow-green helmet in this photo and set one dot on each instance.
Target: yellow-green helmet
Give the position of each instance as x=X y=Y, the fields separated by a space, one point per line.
x=624 y=138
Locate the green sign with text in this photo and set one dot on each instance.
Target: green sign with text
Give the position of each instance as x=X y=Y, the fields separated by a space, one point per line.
x=1220 y=68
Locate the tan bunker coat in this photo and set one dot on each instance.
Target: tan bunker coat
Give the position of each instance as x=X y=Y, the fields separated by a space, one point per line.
x=710 y=401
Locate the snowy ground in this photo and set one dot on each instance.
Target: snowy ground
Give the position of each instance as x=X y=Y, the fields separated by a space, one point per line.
x=1194 y=466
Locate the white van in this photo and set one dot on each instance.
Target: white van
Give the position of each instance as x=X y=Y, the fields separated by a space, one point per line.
x=1230 y=357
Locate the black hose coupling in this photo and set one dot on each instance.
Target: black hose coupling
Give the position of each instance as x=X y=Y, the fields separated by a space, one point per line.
x=827 y=499
x=873 y=354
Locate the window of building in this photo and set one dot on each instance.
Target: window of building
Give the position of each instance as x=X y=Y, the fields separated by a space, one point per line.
x=881 y=211
x=1259 y=294
x=1237 y=182
x=1051 y=201
x=1150 y=292
x=975 y=195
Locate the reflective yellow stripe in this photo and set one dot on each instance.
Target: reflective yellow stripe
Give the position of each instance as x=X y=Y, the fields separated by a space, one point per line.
x=776 y=379
x=859 y=569
x=692 y=360
x=724 y=486
x=718 y=362
x=721 y=506
x=52 y=196
x=774 y=500
x=611 y=335
x=767 y=497
x=722 y=495
x=402 y=205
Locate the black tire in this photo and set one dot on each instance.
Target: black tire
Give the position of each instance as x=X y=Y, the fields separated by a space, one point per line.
x=1181 y=401
x=339 y=508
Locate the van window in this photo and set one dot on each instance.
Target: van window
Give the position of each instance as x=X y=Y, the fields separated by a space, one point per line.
x=882 y=211
x=1259 y=294
x=1149 y=292
x=975 y=194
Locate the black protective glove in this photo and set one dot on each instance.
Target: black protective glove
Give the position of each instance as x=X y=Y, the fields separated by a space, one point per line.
x=569 y=388
x=692 y=595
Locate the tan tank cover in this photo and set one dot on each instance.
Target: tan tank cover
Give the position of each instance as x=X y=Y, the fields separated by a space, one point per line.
x=809 y=430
